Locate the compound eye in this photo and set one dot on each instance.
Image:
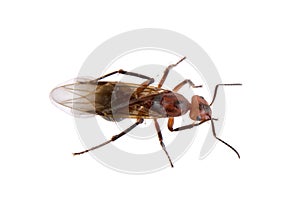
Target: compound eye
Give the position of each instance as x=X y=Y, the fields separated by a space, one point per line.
x=201 y=106
x=198 y=118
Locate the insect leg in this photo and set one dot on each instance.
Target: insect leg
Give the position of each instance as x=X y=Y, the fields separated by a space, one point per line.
x=171 y=123
x=143 y=86
x=187 y=81
x=121 y=71
x=216 y=90
x=161 y=141
x=166 y=72
x=113 y=138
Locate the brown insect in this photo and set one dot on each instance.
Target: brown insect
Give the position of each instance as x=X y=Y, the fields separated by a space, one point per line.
x=115 y=101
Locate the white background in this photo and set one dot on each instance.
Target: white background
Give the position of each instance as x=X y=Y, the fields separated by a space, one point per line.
x=255 y=42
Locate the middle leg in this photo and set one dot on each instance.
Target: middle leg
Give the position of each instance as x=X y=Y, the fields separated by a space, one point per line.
x=161 y=141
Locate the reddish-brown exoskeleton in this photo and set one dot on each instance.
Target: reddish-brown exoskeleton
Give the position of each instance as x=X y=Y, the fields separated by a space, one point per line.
x=96 y=97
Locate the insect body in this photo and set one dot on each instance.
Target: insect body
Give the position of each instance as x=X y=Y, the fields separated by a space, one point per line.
x=150 y=103
x=115 y=101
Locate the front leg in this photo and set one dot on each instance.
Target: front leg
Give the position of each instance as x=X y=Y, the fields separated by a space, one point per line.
x=189 y=126
x=166 y=72
x=171 y=123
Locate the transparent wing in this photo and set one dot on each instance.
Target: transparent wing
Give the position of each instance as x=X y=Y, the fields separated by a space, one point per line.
x=76 y=97
x=130 y=100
